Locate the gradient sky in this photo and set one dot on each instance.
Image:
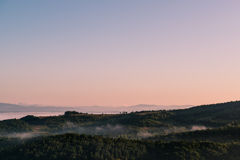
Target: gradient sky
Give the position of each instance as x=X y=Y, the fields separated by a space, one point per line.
x=113 y=53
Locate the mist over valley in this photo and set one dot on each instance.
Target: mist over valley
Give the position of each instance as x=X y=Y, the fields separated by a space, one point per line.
x=206 y=126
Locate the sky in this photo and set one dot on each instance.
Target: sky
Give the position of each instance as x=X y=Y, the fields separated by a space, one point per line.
x=119 y=53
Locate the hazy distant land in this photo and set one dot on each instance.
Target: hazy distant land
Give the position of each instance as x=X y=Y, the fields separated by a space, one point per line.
x=8 y=111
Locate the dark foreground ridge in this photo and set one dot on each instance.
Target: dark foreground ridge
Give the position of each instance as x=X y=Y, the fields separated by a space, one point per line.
x=85 y=147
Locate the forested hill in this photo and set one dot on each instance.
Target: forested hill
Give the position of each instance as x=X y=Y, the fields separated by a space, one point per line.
x=75 y=146
x=228 y=134
x=129 y=125
x=228 y=110
x=214 y=115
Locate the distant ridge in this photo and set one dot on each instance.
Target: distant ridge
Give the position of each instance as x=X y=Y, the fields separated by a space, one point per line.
x=6 y=107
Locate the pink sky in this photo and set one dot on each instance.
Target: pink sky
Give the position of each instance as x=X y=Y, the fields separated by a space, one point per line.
x=119 y=53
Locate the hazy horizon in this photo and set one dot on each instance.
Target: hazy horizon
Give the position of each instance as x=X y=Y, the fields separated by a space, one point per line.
x=88 y=109
x=11 y=111
x=41 y=105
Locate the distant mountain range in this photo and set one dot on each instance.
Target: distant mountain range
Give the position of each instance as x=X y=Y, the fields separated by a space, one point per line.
x=6 y=107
